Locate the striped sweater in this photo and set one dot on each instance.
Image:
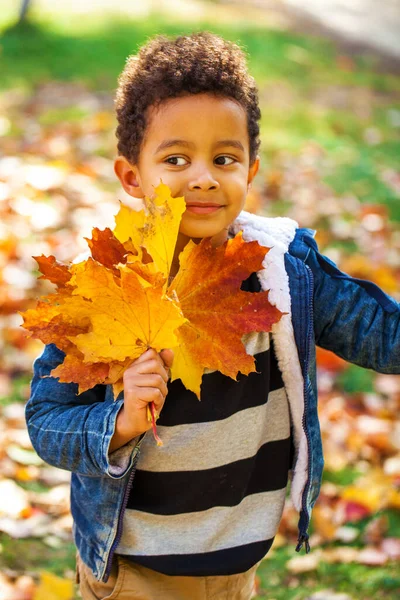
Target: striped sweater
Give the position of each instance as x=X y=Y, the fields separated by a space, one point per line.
x=210 y=500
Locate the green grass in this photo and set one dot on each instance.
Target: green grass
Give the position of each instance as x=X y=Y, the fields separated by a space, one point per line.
x=33 y=555
x=346 y=476
x=19 y=390
x=359 y=581
x=93 y=49
x=304 y=72
x=356 y=380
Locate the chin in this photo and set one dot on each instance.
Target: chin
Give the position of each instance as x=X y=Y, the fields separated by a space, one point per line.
x=200 y=230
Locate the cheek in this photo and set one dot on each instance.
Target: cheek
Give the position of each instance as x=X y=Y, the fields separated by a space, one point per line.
x=236 y=181
x=237 y=190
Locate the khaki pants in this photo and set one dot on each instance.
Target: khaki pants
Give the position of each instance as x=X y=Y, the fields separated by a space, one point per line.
x=129 y=581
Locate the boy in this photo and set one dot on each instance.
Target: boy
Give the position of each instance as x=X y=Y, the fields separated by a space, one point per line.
x=193 y=519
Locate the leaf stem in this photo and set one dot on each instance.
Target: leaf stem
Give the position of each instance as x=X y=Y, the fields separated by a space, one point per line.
x=153 y=416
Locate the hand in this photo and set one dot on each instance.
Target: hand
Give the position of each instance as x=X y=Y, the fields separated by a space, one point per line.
x=145 y=381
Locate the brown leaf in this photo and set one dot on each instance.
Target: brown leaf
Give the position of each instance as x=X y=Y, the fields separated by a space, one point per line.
x=74 y=369
x=53 y=270
x=106 y=248
x=376 y=530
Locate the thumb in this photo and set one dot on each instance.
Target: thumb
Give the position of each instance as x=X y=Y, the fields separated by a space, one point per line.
x=168 y=357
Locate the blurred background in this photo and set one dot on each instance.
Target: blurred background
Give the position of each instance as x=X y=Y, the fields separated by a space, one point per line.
x=328 y=76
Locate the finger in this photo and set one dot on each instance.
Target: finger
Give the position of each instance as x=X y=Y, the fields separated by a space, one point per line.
x=158 y=405
x=167 y=356
x=147 y=354
x=152 y=380
x=152 y=366
x=144 y=395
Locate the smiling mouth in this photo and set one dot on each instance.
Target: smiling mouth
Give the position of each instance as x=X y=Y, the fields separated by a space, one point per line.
x=203 y=209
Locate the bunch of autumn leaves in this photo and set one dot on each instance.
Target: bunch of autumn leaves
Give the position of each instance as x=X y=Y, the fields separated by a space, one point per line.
x=110 y=308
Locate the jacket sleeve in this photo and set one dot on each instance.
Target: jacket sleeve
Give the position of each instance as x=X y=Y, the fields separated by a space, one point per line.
x=353 y=318
x=72 y=431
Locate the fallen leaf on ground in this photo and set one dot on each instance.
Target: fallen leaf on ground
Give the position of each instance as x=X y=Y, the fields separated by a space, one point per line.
x=376 y=530
x=302 y=564
x=372 y=556
x=329 y=595
x=14 y=500
x=340 y=554
x=52 y=587
x=391 y=547
x=20 y=589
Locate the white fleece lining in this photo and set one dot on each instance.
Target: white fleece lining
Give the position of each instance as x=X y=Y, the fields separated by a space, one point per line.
x=277 y=233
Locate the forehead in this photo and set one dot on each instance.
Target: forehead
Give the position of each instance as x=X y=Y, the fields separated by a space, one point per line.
x=202 y=117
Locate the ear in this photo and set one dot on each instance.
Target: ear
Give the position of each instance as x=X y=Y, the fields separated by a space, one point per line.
x=253 y=169
x=128 y=176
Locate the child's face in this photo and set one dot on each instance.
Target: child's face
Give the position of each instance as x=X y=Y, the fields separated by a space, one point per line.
x=199 y=146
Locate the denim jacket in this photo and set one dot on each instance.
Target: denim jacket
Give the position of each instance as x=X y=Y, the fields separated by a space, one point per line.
x=323 y=306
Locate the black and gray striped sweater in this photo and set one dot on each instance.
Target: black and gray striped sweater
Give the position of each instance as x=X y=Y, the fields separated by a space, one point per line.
x=210 y=500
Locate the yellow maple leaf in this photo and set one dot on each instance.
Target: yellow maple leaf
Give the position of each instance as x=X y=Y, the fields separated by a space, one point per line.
x=126 y=317
x=156 y=231
x=128 y=223
x=110 y=308
x=373 y=490
x=52 y=587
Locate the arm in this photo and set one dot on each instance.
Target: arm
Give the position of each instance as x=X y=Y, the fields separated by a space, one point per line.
x=74 y=432
x=354 y=318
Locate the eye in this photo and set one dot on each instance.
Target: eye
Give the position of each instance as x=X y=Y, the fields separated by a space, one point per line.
x=220 y=160
x=174 y=160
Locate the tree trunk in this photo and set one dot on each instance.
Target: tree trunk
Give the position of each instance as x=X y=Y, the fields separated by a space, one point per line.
x=23 y=10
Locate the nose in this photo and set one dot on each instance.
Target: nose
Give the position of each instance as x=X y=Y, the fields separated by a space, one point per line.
x=203 y=180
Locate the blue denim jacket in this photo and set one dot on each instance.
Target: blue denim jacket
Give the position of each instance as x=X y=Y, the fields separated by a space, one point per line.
x=351 y=317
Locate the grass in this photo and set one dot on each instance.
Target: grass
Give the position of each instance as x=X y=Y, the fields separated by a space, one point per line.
x=361 y=582
x=19 y=390
x=355 y=379
x=308 y=89
x=31 y=555
x=277 y=582
x=93 y=49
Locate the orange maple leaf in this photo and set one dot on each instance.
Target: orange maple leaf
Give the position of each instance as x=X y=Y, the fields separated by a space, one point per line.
x=106 y=249
x=219 y=313
x=53 y=270
x=109 y=308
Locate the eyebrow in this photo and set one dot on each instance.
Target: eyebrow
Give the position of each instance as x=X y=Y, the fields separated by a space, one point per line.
x=169 y=143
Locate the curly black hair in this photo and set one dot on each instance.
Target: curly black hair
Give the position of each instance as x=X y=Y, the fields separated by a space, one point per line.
x=168 y=68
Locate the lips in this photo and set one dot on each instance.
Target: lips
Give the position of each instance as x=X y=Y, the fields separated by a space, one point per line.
x=203 y=208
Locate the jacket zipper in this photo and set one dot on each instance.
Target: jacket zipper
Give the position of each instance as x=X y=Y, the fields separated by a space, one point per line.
x=120 y=519
x=303 y=535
